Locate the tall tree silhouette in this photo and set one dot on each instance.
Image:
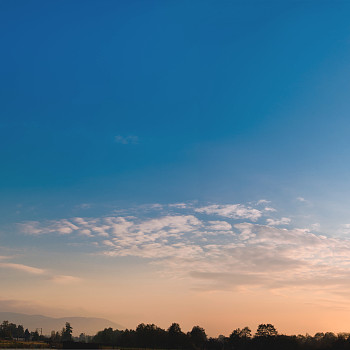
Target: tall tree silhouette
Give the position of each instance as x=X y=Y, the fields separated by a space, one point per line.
x=67 y=332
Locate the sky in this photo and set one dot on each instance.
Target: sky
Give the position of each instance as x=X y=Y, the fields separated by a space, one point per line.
x=176 y=161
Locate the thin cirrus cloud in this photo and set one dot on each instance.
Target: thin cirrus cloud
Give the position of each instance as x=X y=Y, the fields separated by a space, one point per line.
x=125 y=140
x=4 y=257
x=215 y=254
x=179 y=205
x=61 y=279
x=65 y=279
x=24 y=268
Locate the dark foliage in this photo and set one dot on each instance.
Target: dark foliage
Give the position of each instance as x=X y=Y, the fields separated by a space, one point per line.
x=67 y=333
x=150 y=336
x=265 y=338
x=11 y=331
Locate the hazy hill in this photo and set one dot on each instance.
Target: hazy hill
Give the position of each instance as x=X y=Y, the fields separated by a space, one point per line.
x=87 y=325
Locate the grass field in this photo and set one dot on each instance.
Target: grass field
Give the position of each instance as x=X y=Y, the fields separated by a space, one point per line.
x=13 y=344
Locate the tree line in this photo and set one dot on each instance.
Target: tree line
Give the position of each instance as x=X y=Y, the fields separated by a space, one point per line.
x=266 y=337
x=151 y=336
x=11 y=331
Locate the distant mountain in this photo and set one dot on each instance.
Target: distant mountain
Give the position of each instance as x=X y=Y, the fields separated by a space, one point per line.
x=87 y=325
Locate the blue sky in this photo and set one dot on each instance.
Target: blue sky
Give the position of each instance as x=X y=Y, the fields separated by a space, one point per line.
x=108 y=106
x=227 y=101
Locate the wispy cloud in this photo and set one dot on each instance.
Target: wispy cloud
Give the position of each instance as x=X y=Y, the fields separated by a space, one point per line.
x=84 y=206
x=4 y=257
x=179 y=205
x=125 y=140
x=62 y=279
x=301 y=199
x=24 y=268
x=37 y=228
x=65 y=279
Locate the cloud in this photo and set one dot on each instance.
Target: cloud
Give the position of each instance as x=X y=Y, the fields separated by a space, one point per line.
x=269 y=209
x=228 y=280
x=260 y=255
x=233 y=211
x=315 y=227
x=263 y=201
x=24 y=268
x=306 y=260
x=156 y=206
x=212 y=254
x=179 y=205
x=174 y=224
x=219 y=226
x=149 y=238
x=84 y=206
x=301 y=199
x=65 y=279
x=85 y=232
x=282 y=221
x=62 y=279
x=125 y=140
x=63 y=227
x=113 y=226
x=344 y=229
x=30 y=228
x=5 y=257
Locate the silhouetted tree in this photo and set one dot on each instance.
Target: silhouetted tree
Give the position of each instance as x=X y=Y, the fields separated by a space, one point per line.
x=150 y=336
x=240 y=338
x=128 y=338
x=58 y=337
x=266 y=330
x=176 y=338
x=214 y=344
x=67 y=332
x=13 y=330
x=241 y=333
x=82 y=337
x=174 y=329
x=4 y=330
x=106 y=337
x=20 y=331
x=265 y=337
x=35 y=335
x=198 y=337
x=26 y=335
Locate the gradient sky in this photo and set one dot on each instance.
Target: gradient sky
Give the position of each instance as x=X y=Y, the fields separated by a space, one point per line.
x=176 y=161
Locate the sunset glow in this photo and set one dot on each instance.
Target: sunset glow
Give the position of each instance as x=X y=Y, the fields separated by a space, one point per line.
x=177 y=161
